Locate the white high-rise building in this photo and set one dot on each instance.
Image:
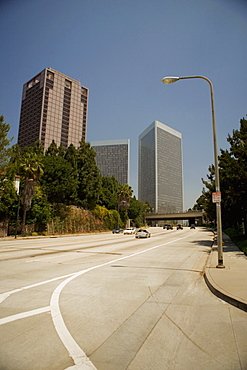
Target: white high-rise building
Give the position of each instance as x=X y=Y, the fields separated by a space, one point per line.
x=160 y=172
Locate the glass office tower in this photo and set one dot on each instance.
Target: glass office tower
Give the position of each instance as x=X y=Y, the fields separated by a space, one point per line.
x=160 y=174
x=54 y=107
x=113 y=158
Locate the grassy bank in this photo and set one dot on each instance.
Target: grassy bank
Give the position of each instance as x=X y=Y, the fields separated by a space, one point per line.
x=238 y=238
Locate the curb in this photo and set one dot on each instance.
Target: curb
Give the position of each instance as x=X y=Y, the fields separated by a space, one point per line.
x=215 y=289
x=227 y=298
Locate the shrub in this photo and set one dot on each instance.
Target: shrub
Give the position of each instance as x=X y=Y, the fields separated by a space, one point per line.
x=110 y=218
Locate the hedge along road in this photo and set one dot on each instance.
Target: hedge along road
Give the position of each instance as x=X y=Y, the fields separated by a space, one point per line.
x=112 y=308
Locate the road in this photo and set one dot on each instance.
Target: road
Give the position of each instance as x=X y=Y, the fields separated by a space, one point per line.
x=113 y=302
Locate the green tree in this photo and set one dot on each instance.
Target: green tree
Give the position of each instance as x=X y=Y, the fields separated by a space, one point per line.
x=8 y=197
x=30 y=170
x=52 y=150
x=4 y=144
x=137 y=211
x=233 y=170
x=15 y=160
x=229 y=191
x=59 y=180
x=110 y=217
x=71 y=155
x=108 y=196
x=36 y=148
x=205 y=200
x=233 y=181
x=41 y=210
x=89 y=178
x=61 y=150
x=124 y=195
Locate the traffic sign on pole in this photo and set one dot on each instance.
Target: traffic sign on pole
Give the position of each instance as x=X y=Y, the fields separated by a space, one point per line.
x=216 y=197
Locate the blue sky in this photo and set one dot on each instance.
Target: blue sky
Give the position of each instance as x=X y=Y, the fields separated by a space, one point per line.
x=121 y=50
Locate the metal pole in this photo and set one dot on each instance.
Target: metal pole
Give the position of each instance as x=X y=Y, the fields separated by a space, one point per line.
x=217 y=176
x=217 y=184
x=17 y=217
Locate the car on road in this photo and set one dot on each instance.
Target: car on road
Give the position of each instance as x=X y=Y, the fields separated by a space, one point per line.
x=169 y=227
x=192 y=226
x=129 y=231
x=142 y=234
x=117 y=231
x=179 y=227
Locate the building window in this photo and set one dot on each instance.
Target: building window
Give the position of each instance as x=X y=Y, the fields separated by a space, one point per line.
x=50 y=75
x=33 y=82
x=68 y=84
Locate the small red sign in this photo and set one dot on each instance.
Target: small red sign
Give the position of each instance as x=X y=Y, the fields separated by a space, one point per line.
x=216 y=197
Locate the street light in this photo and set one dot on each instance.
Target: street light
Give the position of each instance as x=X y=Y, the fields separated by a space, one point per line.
x=169 y=80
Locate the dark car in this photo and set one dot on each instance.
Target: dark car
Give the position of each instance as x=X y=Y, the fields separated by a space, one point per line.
x=169 y=227
x=192 y=226
x=179 y=227
x=117 y=231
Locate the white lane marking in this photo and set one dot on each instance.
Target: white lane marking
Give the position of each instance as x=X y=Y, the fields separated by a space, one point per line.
x=22 y=315
x=77 y=354
x=5 y=295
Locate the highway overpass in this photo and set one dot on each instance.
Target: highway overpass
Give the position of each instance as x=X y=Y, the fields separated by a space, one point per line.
x=192 y=217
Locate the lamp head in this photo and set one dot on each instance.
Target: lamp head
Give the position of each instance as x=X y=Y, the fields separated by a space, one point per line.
x=169 y=80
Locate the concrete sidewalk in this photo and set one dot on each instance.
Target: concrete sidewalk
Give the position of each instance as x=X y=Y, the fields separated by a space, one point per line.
x=228 y=283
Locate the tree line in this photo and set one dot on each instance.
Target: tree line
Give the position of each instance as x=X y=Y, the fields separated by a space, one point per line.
x=54 y=183
x=233 y=183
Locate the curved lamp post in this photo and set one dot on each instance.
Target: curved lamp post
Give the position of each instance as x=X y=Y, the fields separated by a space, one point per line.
x=169 y=80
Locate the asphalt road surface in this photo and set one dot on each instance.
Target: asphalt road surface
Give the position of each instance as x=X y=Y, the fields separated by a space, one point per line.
x=113 y=302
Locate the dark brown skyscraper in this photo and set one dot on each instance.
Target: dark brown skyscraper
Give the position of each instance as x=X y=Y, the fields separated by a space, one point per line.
x=54 y=107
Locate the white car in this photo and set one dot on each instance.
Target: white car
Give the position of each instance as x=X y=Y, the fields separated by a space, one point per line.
x=143 y=234
x=129 y=230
